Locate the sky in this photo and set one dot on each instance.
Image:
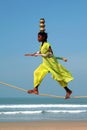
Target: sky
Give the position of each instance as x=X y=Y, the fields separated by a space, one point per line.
x=66 y=25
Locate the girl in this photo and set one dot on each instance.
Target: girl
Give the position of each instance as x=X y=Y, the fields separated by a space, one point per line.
x=50 y=65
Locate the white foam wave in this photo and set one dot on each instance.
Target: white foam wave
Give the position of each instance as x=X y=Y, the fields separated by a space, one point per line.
x=67 y=111
x=47 y=111
x=21 y=112
x=44 y=106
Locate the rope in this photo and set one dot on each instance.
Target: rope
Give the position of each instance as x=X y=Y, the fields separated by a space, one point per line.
x=46 y=95
x=12 y=86
x=54 y=96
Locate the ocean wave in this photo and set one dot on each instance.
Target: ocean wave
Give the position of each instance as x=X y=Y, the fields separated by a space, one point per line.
x=44 y=106
x=66 y=111
x=20 y=112
x=43 y=111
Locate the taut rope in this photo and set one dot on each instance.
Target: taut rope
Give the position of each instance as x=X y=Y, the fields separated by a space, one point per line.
x=46 y=95
x=12 y=86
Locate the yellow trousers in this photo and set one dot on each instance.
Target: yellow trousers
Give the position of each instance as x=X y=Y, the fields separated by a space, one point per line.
x=41 y=72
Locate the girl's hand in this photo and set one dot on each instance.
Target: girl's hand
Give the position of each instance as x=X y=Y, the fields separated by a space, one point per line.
x=64 y=59
x=29 y=54
x=33 y=54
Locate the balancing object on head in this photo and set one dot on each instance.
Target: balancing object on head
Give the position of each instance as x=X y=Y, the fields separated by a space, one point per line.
x=42 y=25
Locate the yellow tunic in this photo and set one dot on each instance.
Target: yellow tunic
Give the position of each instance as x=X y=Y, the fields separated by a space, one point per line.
x=51 y=65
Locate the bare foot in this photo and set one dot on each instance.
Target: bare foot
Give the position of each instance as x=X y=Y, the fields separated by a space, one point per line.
x=33 y=91
x=68 y=94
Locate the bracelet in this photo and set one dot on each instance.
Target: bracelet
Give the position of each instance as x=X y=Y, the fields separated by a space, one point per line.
x=60 y=58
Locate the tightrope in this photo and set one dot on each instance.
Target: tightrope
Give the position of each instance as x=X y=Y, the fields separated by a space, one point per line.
x=54 y=96
x=46 y=95
x=12 y=86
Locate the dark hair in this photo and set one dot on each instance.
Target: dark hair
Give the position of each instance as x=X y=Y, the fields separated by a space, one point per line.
x=44 y=34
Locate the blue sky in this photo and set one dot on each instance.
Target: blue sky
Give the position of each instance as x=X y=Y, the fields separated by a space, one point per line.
x=66 y=25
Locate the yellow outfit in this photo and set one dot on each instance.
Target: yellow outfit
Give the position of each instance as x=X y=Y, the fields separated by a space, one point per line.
x=51 y=65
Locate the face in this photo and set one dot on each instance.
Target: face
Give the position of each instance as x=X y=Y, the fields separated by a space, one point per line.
x=40 y=38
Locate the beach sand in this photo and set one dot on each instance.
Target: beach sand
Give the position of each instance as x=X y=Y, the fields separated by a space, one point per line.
x=44 y=125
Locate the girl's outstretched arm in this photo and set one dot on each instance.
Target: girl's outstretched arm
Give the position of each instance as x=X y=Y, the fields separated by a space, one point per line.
x=39 y=54
x=32 y=54
x=62 y=58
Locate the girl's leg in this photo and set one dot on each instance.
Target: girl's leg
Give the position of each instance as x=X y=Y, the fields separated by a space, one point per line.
x=68 y=91
x=39 y=74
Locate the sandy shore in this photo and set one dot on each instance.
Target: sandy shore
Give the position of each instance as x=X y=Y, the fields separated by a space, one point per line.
x=49 y=125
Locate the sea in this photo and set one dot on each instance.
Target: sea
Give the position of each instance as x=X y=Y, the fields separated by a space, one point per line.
x=37 y=108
